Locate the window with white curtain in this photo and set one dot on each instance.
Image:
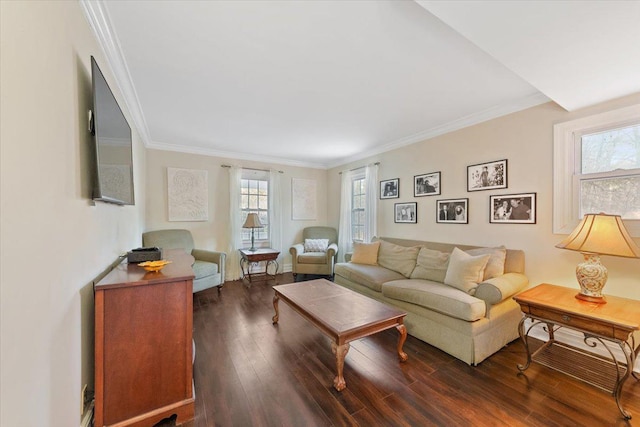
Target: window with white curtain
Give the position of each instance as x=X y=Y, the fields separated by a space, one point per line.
x=254 y=197
x=358 y=207
x=597 y=169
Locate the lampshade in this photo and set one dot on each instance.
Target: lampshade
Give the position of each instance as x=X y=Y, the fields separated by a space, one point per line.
x=598 y=234
x=252 y=221
x=601 y=234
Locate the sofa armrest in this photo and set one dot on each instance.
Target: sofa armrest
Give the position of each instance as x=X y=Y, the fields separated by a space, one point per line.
x=500 y=288
x=211 y=256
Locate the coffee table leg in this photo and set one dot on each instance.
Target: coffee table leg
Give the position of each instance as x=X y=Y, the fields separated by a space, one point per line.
x=275 y=318
x=403 y=337
x=341 y=352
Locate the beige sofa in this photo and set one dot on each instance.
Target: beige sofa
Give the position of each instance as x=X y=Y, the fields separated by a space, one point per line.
x=470 y=325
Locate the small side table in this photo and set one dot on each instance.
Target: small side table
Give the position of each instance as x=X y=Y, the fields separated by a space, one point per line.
x=249 y=258
x=607 y=325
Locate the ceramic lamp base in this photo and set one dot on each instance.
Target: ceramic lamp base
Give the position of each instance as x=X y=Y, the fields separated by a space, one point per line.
x=592 y=276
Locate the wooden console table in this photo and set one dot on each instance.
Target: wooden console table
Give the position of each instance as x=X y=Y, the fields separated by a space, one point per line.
x=143 y=344
x=249 y=258
x=610 y=324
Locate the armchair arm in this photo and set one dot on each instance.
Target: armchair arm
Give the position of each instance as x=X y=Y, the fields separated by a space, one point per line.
x=295 y=250
x=499 y=288
x=332 y=251
x=211 y=256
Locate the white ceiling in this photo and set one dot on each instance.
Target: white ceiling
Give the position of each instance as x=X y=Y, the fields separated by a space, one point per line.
x=321 y=83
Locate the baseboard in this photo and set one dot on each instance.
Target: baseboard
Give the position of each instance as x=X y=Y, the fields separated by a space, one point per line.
x=87 y=417
x=575 y=338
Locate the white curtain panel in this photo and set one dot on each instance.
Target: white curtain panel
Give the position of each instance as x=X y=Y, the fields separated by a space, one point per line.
x=345 y=244
x=235 y=221
x=275 y=212
x=371 y=208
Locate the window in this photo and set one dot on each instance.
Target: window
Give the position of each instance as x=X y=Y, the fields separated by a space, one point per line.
x=358 y=212
x=597 y=169
x=254 y=197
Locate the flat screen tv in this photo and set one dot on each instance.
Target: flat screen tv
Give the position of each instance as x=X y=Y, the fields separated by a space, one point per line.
x=113 y=172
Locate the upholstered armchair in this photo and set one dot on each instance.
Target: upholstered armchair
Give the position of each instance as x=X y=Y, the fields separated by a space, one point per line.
x=209 y=265
x=317 y=253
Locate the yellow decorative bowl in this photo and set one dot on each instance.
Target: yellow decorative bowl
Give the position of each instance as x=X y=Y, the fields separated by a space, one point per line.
x=154 y=265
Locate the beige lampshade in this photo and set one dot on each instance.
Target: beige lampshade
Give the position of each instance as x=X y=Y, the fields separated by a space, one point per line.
x=601 y=234
x=252 y=221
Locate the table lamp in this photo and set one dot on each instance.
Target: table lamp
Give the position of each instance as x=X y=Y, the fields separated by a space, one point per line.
x=252 y=222
x=598 y=234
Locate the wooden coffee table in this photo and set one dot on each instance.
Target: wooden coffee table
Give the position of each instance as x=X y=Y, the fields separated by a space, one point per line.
x=341 y=314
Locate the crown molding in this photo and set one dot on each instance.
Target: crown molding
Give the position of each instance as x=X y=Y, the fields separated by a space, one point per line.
x=234 y=155
x=100 y=24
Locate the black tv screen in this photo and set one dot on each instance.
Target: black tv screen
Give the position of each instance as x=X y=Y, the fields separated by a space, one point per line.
x=113 y=177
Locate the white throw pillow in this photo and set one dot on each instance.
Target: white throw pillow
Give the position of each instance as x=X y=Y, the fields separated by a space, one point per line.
x=316 y=245
x=495 y=266
x=465 y=271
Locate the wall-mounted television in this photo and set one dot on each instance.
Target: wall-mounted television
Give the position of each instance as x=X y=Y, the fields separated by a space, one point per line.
x=113 y=172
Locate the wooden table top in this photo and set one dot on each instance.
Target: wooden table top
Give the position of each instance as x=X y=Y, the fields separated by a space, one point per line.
x=340 y=312
x=619 y=311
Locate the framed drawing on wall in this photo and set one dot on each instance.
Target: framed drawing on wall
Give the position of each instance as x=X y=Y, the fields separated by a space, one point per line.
x=453 y=211
x=513 y=208
x=427 y=184
x=390 y=189
x=406 y=213
x=487 y=176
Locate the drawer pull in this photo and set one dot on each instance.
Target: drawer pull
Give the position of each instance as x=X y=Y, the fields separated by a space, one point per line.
x=566 y=318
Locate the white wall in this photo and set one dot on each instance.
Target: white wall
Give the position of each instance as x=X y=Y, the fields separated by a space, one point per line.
x=526 y=140
x=54 y=239
x=214 y=234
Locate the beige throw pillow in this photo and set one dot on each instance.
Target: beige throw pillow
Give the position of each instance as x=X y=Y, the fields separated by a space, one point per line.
x=495 y=266
x=365 y=253
x=431 y=265
x=401 y=259
x=465 y=271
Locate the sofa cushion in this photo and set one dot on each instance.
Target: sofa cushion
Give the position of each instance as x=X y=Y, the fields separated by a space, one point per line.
x=312 y=258
x=495 y=265
x=371 y=276
x=365 y=253
x=436 y=296
x=316 y=245
x=204 y=269
x=431 y=265
x=465 y=271
x=398 y=258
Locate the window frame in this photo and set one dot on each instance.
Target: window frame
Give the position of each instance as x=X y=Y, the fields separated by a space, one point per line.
x=566 y=165
x=358 y=177
x=256 y=175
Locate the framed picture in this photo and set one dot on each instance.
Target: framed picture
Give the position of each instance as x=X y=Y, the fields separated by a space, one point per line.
x=406 y=213
x=487 y=176
x=453 y=211
x=427 y=184
x=390 y=189
x=513 y=208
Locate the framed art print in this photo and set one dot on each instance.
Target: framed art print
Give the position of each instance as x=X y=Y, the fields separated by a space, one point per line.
x=487 y=176
x=406 y=213
x=427 y=184
x=390 y=189
x=513 y=208
x=453 y=211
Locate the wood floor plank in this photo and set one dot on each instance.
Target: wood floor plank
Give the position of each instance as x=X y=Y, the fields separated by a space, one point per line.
x=249 y=372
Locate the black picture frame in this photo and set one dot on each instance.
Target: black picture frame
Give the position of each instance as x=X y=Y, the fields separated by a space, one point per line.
x=513 y=208
x=405 y=213
x=390 y=189
x=487 y=176
x=452 y=211
x=427 y=184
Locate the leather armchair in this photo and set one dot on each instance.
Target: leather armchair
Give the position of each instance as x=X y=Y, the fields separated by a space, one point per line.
x=208 y=266
x=320 y=263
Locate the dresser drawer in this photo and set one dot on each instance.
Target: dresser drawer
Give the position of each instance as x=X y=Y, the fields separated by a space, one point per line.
x=573 y=321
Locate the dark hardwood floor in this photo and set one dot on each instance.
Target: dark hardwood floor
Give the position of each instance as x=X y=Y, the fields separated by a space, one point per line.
x=249 y=372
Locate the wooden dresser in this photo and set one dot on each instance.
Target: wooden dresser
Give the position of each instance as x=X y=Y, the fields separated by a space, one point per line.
x=143 y=344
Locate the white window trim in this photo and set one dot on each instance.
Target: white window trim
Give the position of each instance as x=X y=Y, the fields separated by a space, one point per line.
x=565 y=202
x=356 y=176
x=260 y=175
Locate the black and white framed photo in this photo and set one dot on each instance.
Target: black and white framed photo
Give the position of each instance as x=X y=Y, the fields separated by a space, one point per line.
x=390 y=189
x=453 y=211
x=487 y=176
x=513 y=208
x=406 y=213
x=427 y=184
